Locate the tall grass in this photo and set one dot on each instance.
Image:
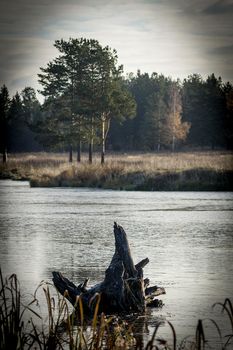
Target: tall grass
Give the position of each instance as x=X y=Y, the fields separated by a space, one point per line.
x=21 y=327
x=147 y=171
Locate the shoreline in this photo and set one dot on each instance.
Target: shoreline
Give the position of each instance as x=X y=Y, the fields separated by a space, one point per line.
x=192 y=171
x=189 y=180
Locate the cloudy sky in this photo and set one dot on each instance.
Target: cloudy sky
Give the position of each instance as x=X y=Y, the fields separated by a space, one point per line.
x=173 y=37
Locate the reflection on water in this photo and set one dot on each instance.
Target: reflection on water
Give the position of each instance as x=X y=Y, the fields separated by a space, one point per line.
x=186 y=235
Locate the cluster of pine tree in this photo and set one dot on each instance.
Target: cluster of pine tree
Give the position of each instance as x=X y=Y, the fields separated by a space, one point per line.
x=83 y=89
x=18 y=115
x=171 y=115
x=89 y=102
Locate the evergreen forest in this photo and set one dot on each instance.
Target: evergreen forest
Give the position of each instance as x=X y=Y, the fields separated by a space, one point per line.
x=91 y=104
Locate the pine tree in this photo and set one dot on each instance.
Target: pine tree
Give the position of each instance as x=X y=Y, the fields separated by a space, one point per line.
x=31 y=106
x=204 y=107
x=81 y=87
x=228 y=122
x=4 y=121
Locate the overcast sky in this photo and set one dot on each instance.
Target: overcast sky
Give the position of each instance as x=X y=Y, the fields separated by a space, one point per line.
x=173 y=37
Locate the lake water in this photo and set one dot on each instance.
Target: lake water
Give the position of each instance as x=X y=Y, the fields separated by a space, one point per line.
x=188 y=237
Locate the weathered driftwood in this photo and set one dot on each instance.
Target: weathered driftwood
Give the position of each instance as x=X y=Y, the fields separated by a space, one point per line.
x=123 y=290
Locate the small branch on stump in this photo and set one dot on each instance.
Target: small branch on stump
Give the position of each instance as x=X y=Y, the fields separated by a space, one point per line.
x=142 y=264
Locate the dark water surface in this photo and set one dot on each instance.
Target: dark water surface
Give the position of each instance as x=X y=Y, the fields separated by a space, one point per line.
x=188 y=237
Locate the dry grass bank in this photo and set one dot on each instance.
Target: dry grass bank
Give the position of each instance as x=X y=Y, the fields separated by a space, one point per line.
x=144 y=171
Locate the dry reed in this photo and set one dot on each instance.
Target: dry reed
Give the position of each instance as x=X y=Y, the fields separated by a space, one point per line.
x=64 y=330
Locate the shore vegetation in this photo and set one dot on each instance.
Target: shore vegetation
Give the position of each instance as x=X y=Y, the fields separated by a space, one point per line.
x=129 y=171
x=22 y=326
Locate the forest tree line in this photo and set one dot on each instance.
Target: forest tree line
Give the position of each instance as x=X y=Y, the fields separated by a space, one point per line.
x=88 y=101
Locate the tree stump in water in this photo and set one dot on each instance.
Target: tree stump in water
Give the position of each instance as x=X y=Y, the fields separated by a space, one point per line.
x=124 y=290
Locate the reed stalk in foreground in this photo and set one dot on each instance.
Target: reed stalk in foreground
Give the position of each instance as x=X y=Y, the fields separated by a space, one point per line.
x=21 y=327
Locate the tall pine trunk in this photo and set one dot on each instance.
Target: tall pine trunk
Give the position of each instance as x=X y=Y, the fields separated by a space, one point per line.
x=79 y=152
x=4 y=155
x=105 y=129
x=70 y=154
x=103 y=142
x=91 y=142
x=90 y=150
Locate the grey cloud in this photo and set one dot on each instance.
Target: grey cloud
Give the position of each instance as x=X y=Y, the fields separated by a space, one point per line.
x=198 y=7
x=138 y=29
x=222 y=51
x=221 y=7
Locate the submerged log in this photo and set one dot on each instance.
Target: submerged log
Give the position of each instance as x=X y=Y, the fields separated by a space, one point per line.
x=123 y=290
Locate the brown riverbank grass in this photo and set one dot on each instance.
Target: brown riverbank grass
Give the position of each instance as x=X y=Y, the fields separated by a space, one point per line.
x=144 y=171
